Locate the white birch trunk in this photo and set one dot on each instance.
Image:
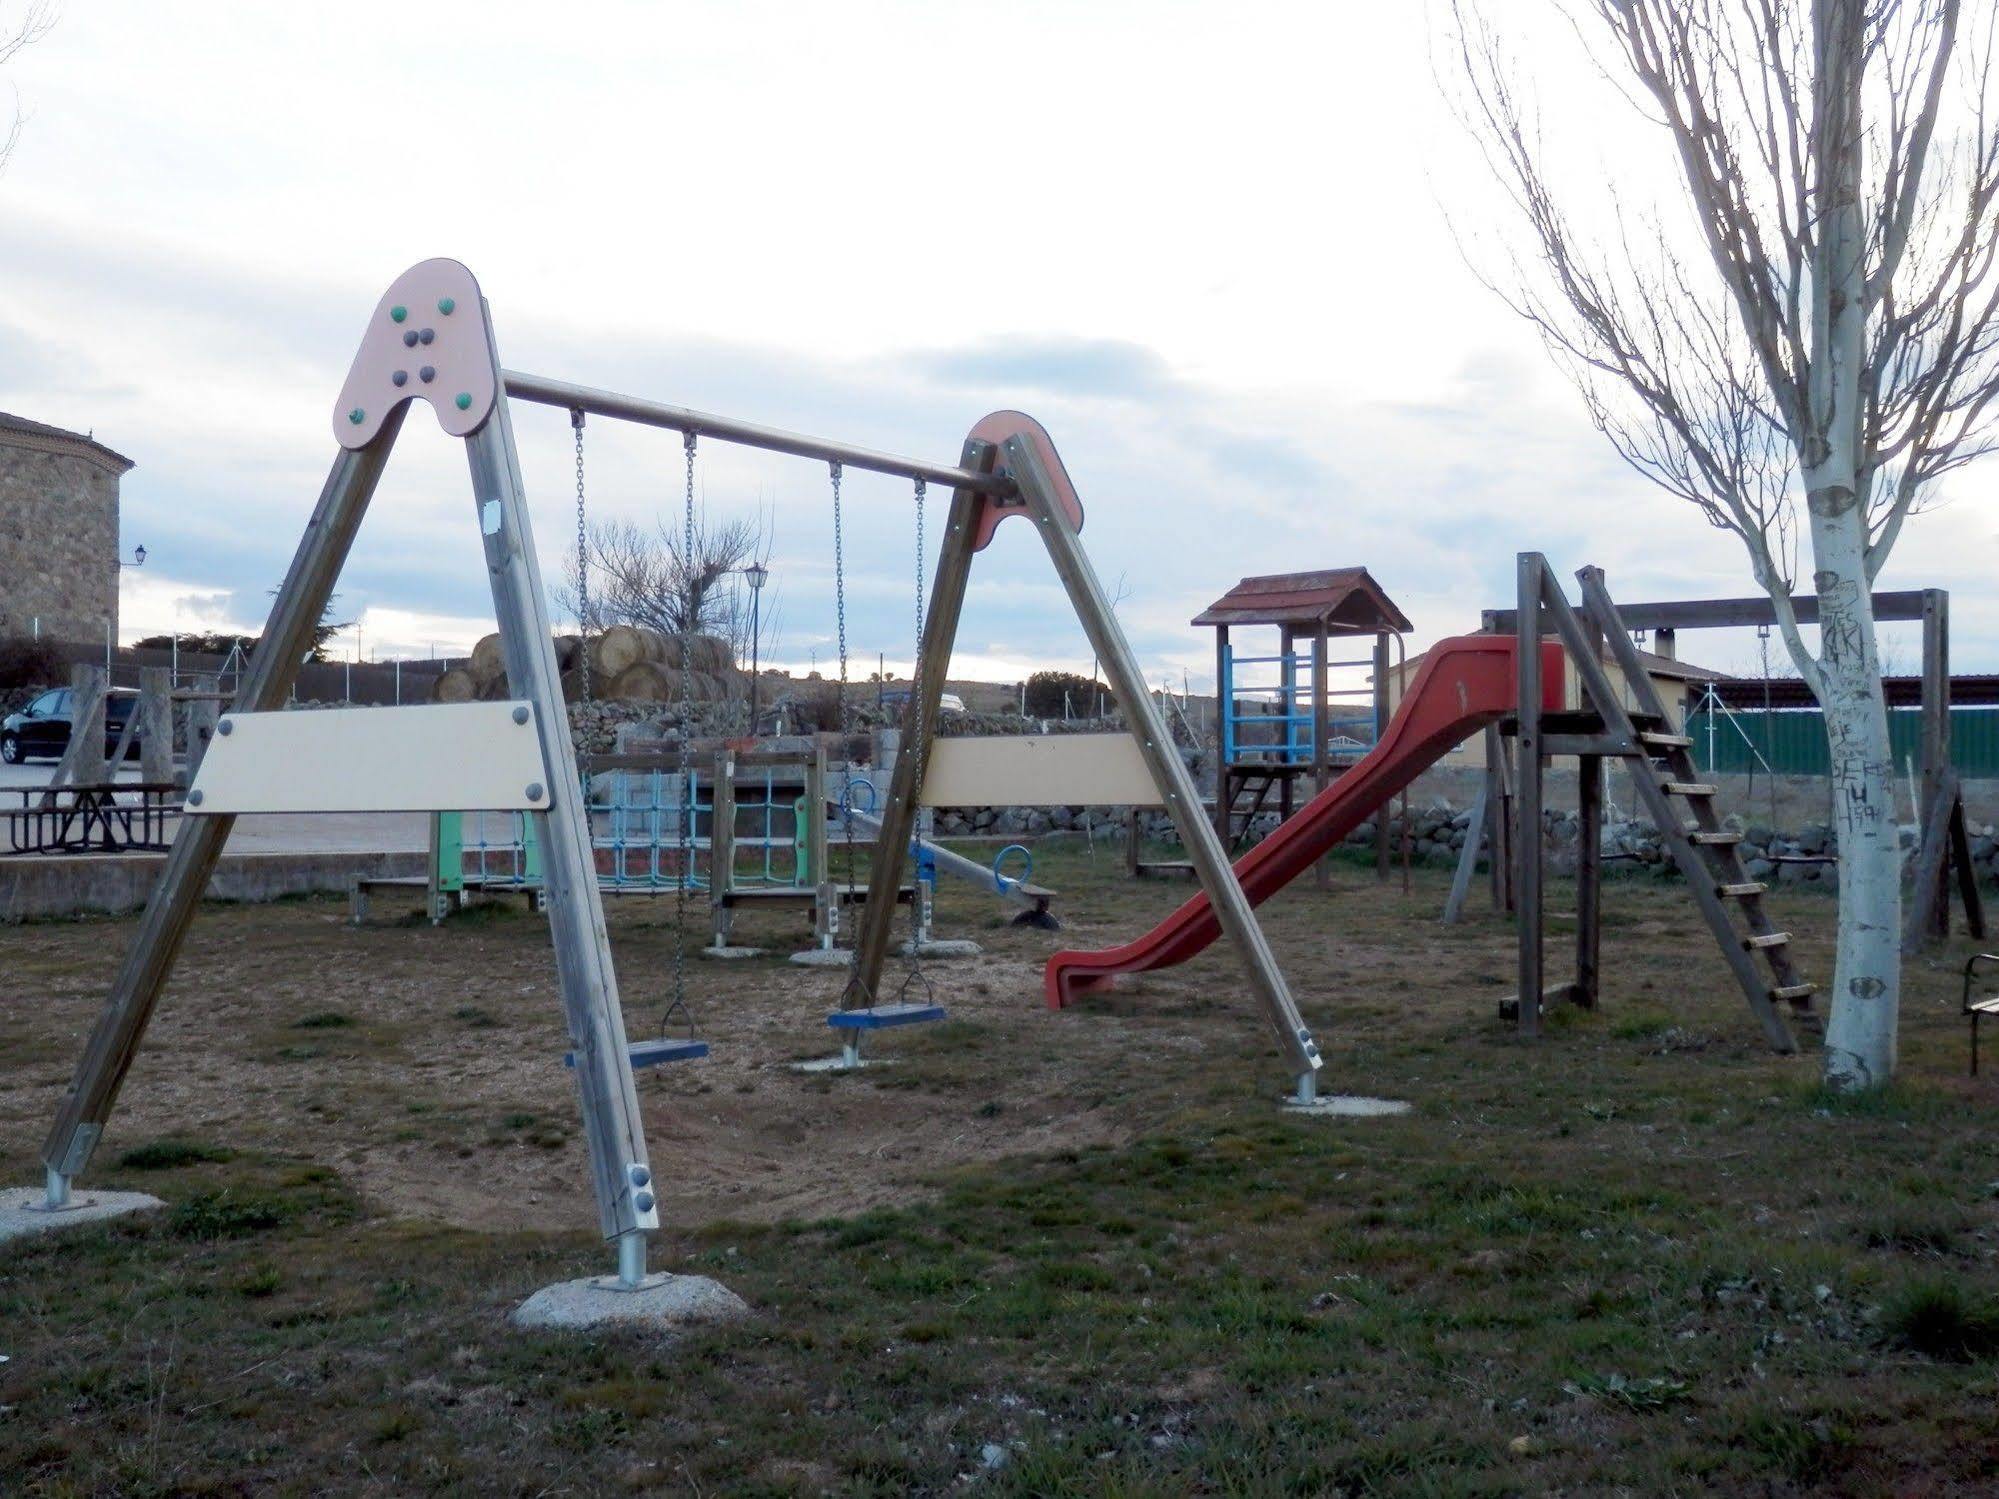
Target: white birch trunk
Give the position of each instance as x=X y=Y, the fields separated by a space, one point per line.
x=1860 y=1041
x=1865 y=1003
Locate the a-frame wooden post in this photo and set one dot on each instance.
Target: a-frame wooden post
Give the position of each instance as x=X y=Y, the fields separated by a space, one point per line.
x=919 y=723
x=459 y=374
x=1040 y=500
x=114 y=1042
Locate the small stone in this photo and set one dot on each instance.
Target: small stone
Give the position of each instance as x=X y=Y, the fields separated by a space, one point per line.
x=1521 y=1446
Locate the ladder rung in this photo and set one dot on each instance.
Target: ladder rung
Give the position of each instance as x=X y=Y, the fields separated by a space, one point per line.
x=1712 y=840
x=1687 y=788
x=1664 y=741
x=1742 y=891
x=1794 y=991
x=1767 y=939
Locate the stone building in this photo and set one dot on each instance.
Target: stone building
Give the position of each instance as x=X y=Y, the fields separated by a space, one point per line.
x=58 y=532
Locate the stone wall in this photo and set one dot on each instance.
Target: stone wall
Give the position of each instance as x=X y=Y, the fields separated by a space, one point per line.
x=58 y=534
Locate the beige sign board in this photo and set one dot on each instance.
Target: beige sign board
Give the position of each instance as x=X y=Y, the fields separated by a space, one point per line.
x=1039 y=770
x=454 y=757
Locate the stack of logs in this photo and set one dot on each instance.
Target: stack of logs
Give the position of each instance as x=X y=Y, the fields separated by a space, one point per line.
x=627 y=664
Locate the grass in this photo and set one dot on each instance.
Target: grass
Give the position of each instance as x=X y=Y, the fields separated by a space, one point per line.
x=1642 y=1256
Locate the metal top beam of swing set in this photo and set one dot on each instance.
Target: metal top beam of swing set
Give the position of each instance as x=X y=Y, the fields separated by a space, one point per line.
x=544 y=391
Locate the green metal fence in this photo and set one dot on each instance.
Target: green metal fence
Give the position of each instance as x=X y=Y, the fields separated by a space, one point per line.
x=1792 y=742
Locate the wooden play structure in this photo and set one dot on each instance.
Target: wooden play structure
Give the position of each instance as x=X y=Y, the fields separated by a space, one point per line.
x=1272 y=734
x=1509 y=683
x=1671 y=790
x=431 y=337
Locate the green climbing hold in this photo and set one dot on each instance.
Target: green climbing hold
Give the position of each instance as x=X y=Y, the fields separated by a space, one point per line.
x=447 y=305
x=398 y=313
x=357 y=416
x=464 y=401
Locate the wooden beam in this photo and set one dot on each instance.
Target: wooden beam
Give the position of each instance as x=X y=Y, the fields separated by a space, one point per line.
x=1705 y=614
x=919 y=726
x=114 y=1041
x=1475 y=834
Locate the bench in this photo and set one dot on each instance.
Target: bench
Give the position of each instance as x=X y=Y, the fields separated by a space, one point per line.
x=1977 y=1009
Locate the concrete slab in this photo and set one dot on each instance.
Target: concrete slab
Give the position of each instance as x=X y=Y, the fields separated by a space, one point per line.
x=731 y=954
x=942 y=947
x=824 y=957
x=840 y=1064
x=22 y=1213
x=1348 y=1106
x=666 y=1303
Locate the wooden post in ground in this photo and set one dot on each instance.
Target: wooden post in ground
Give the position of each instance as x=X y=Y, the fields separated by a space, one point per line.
x=82 y=763
x=1224 y=693
x=722 y=845
x=1589 y=846
x=155 y=718
x=1933 y=897
x=826 y=909
x=204 y=711
x=1322 y=772
x=1381 y=840
x=1527 y=820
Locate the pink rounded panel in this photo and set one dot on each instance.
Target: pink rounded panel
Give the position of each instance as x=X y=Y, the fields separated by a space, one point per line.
x=996 y=429
x=427 y=338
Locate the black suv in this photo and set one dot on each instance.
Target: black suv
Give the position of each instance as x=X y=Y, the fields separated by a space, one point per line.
x=42 y=728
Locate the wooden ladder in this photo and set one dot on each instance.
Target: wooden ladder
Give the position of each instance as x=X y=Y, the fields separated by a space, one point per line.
x=1669 y=785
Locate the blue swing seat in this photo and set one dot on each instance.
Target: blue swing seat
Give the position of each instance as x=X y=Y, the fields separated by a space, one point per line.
x=881 y=1017
x=654 y=1053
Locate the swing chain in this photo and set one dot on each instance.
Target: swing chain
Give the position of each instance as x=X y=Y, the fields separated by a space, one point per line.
x=582 y=562
x=840 y=590
x=913 y=972
x=922 y=494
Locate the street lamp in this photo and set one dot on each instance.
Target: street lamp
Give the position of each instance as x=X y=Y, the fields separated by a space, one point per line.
x=758 y=575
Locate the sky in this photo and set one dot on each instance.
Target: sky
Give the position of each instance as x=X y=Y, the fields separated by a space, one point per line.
x=1216 y=249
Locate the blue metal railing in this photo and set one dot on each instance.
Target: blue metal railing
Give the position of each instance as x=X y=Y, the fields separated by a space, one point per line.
x=1348 y=735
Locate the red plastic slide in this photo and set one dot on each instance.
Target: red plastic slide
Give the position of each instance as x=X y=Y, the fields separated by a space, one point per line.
x=1463 y=684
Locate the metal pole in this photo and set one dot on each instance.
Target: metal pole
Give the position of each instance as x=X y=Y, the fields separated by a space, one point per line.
x=569 y=397
x=622 y=1176
x=756 y=630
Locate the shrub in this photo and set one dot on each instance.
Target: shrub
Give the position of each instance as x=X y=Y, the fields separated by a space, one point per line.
x=1046 y=690
x=26 y=662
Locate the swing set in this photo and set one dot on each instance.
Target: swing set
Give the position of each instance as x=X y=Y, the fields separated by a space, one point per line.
x=431 y=337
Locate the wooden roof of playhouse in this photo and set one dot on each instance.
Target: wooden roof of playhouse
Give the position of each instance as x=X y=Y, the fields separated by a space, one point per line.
x=1346 y=598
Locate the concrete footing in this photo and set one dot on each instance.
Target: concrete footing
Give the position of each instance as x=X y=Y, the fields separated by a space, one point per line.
x=824 y=957
x=1347 y=1106
x=663 y=1303
x=731 y=954
x=22 y=1212
x=941 y=947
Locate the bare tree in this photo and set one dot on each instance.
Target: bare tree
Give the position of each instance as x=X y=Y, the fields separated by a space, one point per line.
x=1805 y=354
x=641 y=577
x=36 y=20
